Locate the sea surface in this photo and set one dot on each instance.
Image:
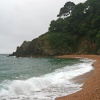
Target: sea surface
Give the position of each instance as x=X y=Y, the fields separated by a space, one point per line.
x=40 y=78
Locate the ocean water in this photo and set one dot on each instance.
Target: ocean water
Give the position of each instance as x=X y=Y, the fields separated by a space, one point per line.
x=40 y=78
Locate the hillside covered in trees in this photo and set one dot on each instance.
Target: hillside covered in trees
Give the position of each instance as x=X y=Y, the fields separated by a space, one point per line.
x=76 y=31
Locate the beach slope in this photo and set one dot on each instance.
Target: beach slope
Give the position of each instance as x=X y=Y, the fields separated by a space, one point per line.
x=91 y=87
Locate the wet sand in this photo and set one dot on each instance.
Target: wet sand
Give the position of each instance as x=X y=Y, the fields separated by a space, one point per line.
x=91 y=87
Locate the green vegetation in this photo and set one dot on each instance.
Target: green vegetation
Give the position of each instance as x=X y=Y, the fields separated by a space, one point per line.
x=67 y=9
x=81 y=28
x=76 y=31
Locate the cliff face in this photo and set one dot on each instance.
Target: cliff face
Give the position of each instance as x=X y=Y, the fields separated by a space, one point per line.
x=41 y=47
x=78 y=33
x=37 y=47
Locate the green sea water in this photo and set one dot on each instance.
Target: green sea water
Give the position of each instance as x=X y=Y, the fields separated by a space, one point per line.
x=12 y=68
x=40 y=78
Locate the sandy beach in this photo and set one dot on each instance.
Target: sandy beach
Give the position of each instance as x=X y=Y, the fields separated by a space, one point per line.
x=91 y=87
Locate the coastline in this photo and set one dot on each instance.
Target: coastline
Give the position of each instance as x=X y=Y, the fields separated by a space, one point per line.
x=91 y=88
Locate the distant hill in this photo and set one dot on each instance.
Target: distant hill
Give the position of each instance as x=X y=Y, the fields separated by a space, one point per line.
x=76 y=31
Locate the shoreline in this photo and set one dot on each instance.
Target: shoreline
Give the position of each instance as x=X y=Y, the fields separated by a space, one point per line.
x=91 y=88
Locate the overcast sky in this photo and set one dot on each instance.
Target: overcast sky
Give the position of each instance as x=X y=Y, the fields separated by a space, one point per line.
x=25 y=20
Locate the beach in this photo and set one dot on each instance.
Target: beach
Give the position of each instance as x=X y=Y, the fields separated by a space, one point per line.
x=91 y=87
x=40 y=78
x=48 y=78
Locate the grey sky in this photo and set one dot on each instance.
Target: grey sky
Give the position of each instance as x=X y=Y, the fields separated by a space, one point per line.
x=25 y=20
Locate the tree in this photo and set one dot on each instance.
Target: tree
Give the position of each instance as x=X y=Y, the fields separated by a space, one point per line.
x=98 y=40
x=78 y=11
x=66 y=10
x=57 y=26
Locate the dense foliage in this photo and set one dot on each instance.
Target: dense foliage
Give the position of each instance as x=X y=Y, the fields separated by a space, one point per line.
x=82 y=24
x=66 y=10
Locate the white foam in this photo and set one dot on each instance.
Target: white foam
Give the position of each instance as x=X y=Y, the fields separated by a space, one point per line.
x=48 y=86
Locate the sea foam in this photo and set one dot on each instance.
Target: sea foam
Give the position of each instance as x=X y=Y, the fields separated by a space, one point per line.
x=46 y=87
